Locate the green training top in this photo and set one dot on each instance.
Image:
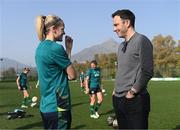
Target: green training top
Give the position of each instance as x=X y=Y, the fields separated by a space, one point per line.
x=52 y=61
x=94 y=77
x=23 y=79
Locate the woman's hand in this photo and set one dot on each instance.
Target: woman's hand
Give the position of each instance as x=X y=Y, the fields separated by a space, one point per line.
x=68 y=44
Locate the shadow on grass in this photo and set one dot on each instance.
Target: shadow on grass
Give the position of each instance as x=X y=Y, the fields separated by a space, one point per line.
x=80 y=97
x=28 y=116
x=7 y=87
x=79 y=127
x=9 y=105
x=30 y=126
x=4 y=113
x=108 y=112
x=78 y=104
x=40 y=124
x=177 y=127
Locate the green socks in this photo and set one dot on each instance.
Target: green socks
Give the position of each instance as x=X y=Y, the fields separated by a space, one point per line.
x=26 y=101
x=91 y=108
x=97 y=106
x=94 y=108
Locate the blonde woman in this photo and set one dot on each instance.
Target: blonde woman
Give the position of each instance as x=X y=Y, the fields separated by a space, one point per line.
x=54 y=70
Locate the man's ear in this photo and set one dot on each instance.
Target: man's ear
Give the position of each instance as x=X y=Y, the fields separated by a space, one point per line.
x=128 y=23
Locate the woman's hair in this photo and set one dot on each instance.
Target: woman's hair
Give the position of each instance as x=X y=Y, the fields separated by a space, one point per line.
x=26 y=69
x=43 y=23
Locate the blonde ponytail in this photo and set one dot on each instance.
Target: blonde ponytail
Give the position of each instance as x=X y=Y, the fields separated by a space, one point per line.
x=43 y=23
x=40 y=24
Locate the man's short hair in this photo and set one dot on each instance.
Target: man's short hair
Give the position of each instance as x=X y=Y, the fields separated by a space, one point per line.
x=126 y=15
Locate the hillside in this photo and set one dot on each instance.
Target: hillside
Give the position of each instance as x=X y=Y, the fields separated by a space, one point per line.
x=108 y=46
x=6 y=63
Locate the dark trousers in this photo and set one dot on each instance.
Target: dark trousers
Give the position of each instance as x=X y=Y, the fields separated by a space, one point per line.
x=57 y=120
x=132 y=113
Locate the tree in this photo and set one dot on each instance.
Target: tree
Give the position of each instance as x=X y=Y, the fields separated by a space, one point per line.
x=80 y=67
x=177 y=51
x=165 y=59
x=9 y=74
x=107 y=64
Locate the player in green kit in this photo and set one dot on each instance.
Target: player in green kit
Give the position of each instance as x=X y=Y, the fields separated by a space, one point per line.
x=93 y=87
x=81 y=78
x=22 y=82
x=54 y=70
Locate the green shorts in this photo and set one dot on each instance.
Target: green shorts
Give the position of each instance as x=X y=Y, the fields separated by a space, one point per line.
x=94 y=90
x=23 y=87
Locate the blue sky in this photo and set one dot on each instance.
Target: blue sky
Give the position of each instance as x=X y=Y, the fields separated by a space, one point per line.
x=89 y=22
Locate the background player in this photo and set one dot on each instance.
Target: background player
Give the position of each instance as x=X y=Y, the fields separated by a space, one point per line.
x=93 y=83
x=22 y=82
x=81 y=78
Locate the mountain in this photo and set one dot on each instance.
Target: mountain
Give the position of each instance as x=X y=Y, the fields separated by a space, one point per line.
x=6 y=63
x=108 y=46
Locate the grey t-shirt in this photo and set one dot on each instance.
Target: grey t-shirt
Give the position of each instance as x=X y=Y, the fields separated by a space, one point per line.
x=135 y=65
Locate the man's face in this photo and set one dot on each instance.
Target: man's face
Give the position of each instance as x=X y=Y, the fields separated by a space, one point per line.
x=119 y=26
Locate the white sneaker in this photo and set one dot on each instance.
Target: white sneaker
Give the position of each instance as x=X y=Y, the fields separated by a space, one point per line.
x=97 y=114
x=24 y=106
x=93 y=116
x=33 y=104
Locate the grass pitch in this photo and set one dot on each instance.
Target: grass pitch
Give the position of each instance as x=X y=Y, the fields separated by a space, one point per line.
x=165 y=107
